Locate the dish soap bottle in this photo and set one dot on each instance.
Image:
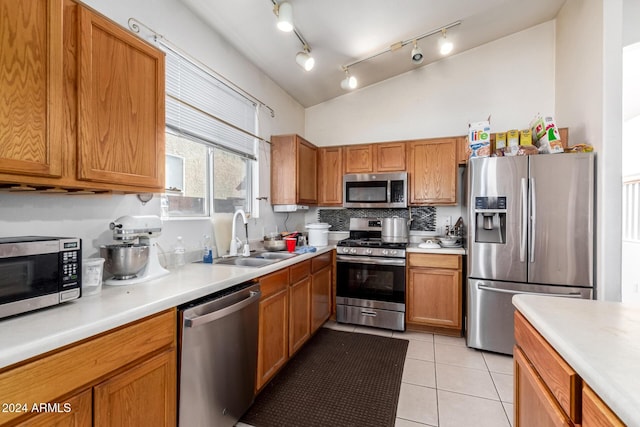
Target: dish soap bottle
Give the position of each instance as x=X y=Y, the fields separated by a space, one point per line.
x=207 y=252
x=178 y=253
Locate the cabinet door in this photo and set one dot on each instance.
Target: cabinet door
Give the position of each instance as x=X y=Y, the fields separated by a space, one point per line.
x=307 y=172
x=299 y=314
x=80 y=413
x=534 y=406
x=330 y=176
x=120 y=106
x=142 y=395
x=31 y=87
x=462 y=145
x=434 y=297
x=433 y=172
x=320 y=297
x=273 y=339
x=358 y=159
x=390 y=157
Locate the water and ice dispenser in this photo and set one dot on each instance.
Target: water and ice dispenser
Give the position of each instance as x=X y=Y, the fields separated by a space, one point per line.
x=490 y=219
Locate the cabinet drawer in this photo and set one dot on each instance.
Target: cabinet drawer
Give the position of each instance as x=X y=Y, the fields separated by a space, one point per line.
x=82 y=364
x=595 y=412
x=274 y=282
x=320 y=261
x=435 y=261
x=299 y=271
x=563 y=382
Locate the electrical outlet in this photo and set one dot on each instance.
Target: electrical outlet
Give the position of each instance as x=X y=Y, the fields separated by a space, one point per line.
x=447 y=221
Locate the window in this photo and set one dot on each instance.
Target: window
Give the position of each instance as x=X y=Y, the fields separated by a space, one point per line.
x=210 y=148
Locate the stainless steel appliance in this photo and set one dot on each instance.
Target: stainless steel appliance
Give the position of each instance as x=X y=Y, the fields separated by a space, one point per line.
x=370 y=277
x=132 y=262
x=531 y=223
x=218 y=357
x=37 y=272
x=375 y=190
x=395 y=229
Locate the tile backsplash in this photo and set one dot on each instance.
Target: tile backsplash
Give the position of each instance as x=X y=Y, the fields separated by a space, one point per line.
x=424 y=218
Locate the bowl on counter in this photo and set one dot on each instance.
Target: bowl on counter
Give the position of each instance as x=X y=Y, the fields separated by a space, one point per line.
x=274 y=244
x=449 y=241
x=124 y=261
x=429 y=243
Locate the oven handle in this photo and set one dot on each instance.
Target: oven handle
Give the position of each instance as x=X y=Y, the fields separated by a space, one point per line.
x=369 y=260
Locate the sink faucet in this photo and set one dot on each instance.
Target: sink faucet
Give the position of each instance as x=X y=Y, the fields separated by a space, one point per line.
x=235 y=242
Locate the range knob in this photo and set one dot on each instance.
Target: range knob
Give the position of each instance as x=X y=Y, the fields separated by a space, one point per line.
x=385 y=252
x=353 y=251
x=394 y=252
x=368 y=251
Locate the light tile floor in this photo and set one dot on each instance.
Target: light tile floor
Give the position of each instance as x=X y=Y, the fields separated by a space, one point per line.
x=446 y=384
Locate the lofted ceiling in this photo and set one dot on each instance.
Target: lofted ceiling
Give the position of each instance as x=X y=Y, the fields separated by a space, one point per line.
x=340 y=32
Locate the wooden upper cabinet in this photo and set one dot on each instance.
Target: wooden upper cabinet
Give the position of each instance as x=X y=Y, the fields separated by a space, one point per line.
x=120 y=105
x=330 y=176
x=461 y=145
x=31 y=87
x=358 y=158
x=294 y=170
x=390 y=157
x=433 y=171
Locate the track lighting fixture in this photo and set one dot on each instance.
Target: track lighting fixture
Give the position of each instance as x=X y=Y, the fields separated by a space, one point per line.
x=444 y=45
x=285 y=16
x=416 y=53
x=417 y=56
x=349 y=82
x=305 y=60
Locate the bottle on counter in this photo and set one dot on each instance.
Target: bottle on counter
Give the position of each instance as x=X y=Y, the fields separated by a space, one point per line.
x=207 y=252
x=178 y=253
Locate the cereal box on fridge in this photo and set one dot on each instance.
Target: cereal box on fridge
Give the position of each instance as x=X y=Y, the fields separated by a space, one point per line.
x=479 y=139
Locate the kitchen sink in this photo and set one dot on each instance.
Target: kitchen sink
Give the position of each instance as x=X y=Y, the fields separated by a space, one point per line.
x=256 y=259
x=274 y=255
x=245 y=262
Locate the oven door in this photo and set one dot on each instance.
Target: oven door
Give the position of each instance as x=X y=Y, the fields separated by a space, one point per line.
x=371 y=278
x=28 y=282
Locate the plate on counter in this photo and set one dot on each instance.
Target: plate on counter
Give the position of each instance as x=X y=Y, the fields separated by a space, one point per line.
x=431 y=245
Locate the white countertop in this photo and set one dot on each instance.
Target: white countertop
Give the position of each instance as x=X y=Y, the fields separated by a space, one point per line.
x=31 y=334
x=601 y=342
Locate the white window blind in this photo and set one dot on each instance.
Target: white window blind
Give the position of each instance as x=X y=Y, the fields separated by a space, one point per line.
x=198 y=105
x=631 y=209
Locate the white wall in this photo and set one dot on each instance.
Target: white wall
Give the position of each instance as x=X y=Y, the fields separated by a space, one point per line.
x=588 y=101
x=510 y=79
x=88 y=217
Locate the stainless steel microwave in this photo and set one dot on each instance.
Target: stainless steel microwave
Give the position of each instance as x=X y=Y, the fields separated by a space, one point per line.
x=375 y=190
x=37 y=272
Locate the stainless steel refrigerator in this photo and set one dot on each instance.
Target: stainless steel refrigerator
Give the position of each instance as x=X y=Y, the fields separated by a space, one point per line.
x=531 y=231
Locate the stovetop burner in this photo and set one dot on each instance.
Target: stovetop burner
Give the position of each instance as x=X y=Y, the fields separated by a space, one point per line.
x=371 y=243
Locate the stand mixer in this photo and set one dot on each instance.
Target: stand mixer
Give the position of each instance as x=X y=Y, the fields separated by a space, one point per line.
x=121 y=259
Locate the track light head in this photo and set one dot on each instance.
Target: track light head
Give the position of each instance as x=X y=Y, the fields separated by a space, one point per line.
x=285 y=16
x=305 y=60
x=349 y=82
x=444 y=45
x=416 y=53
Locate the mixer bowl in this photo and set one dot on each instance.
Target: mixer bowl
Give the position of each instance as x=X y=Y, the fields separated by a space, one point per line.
x=124 y=261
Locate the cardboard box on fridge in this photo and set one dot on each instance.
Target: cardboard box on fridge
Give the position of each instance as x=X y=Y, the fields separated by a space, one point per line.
x=479 y=139
x=540 y=126
x=550 y=143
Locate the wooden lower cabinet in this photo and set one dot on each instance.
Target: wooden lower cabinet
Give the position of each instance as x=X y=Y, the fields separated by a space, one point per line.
x=142 y=395
x=320 y=297
x=126 y=376
x=534 y=404
x=273 y=336
x=79 y=415
x=548 y=392
x=295 y=302
x=434 y=293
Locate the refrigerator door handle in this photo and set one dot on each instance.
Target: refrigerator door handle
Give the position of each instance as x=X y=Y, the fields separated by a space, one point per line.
x=507 y=291
x=532 y=240
x=523 y=220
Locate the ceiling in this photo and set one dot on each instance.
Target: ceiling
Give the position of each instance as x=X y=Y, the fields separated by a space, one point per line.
x=340 y=32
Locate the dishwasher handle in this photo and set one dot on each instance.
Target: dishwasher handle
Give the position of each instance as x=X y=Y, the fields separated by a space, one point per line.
x=218 y=314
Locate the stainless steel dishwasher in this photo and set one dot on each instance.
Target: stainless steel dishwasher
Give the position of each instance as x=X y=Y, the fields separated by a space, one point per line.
x=218 y=357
